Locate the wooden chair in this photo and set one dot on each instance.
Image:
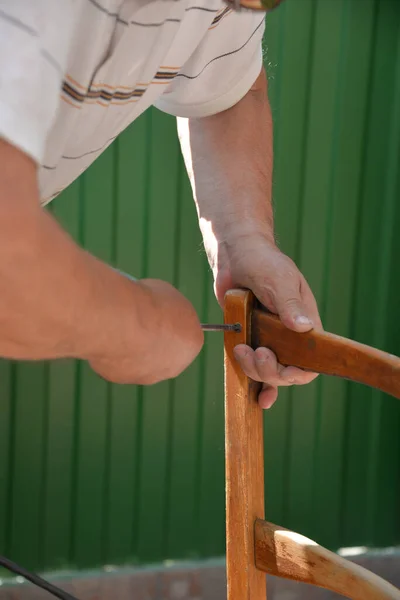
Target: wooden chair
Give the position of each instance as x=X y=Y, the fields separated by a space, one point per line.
x=254 y=546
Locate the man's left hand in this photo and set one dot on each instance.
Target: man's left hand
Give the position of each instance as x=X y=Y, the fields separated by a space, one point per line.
x=255 y=263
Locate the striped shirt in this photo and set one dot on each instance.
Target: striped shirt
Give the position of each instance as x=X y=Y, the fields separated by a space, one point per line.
x=75 y=73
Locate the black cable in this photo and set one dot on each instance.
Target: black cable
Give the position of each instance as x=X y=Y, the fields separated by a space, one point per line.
x=35 y=579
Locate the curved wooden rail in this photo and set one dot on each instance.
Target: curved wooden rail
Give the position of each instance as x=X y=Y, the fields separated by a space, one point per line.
x=283 y=553
x=327 y=353
x=255 y=547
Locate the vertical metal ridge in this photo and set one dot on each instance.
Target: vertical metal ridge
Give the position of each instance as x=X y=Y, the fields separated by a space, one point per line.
x=363 y=163
x=172 y=384
x=11 y=461
x=334 y=159
x=145 y=260
x=353 y=326
x=44 y=479
x=78 y=393
x=291 y=514
x=375 y=408
x=387 y=234
x=306 y=132
x=105 y=541
x=324 y=302
x=343 y=534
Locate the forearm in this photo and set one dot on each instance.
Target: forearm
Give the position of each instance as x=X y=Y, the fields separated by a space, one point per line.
x=229 y=161
x=56 y=300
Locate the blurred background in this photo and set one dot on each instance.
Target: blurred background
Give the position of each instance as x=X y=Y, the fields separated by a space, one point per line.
x=94 y=474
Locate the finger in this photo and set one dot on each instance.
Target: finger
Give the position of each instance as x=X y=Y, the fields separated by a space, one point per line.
x=293 y=313
x=267 y=366
x=295 y=376
x=275 y=374
x=270 y=371
x=262 y=365
x=284 y=298
x=246 y=359
x=311 y=303
x=267 y=396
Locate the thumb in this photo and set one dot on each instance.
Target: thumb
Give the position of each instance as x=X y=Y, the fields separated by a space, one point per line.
x=288 y=304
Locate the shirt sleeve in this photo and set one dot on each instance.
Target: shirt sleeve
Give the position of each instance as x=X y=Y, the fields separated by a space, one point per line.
x=34 y=44
x=221 y=70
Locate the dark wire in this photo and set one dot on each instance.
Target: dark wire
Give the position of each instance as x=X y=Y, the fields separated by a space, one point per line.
x=35 y=579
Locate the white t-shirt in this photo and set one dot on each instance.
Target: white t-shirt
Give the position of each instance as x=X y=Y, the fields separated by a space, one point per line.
x=75 y=73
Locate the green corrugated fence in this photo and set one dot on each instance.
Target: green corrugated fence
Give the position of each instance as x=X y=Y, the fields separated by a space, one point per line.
x=93 y=473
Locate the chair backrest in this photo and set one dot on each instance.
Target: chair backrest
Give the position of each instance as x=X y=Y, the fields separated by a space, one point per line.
x=254 y=546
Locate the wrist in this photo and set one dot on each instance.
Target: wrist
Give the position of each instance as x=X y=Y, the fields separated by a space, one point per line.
x=221 y=243
x=115 y=308
x=232 y=227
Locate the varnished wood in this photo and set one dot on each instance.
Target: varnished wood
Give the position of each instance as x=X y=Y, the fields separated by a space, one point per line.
x=327 y=353
x=244 y=460
x=283 y=553
x=254 y=546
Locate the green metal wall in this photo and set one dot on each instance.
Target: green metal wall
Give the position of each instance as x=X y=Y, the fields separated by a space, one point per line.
x=92 y=473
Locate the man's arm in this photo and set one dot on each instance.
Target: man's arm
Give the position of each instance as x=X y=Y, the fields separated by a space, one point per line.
x=229 y=161
x=56 y=300
x=229 y=158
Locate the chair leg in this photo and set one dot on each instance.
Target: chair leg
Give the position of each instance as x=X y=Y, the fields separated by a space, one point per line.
x=244 y=460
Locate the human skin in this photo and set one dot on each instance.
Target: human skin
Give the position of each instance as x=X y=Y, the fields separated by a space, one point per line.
x=229 y=159
x=57 y=300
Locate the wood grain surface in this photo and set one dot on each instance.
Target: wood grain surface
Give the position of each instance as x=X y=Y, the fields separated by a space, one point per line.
x=253 y=546
x=283 y=553
x=327 y=353
x=244 y=460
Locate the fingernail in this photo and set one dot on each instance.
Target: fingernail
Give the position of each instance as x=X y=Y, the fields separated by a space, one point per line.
x=267 y=405
x=302 y=320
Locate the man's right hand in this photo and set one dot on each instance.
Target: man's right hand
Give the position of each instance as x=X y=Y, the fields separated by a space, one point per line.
x=59 y=301
x=165 y=339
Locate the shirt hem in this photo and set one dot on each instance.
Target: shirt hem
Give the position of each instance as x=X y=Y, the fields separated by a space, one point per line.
x=216 y=105
x=20 y=132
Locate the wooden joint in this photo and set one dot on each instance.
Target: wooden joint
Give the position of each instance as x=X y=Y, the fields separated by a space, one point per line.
x=284 y=553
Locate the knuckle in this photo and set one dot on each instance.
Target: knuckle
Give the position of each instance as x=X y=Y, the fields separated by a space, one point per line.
x=263 y=355
x=292 y=300
x=267 y=374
